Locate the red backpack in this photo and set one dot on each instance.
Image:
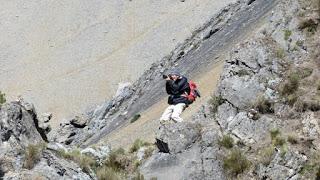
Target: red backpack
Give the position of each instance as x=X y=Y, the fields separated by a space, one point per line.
x=194 y=92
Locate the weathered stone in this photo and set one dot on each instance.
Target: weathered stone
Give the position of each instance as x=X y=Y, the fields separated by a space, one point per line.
x=99 y=153
x=79 y=121
x=310 y=125
x=179 y=136
x=18 y=130
x=282 y=166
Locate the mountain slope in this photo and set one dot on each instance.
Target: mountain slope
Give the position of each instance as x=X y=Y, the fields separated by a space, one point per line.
x=197 y=54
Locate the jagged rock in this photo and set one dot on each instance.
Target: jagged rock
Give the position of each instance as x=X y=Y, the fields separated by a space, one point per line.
x=100 y=153
x=283 y=166
x=50 y=167
x=18 y=131
x=179 y=136
x=240 y=92
x=44 y=122
x=225 y=114
x=173 y=166
x=123 y=88
x=46 y=117
x=198 y=160
x=249 y=130
x=18 y=125
x=310 y=125
x=79 y=121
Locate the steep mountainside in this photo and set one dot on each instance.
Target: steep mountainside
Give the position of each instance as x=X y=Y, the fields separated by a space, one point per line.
x=197 y=54
x=262 y=121
x=69 y=55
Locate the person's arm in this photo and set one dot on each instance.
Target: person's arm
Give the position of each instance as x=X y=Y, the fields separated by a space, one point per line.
x=169 y=87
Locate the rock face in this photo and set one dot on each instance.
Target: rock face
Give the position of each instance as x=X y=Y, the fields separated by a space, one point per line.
x=259 y=110
x=193 y=151
x=84 y=48
x=19 y=131
x=278 y=139
x=195 y=53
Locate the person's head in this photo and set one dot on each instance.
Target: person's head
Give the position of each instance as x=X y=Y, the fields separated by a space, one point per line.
x=175 y=75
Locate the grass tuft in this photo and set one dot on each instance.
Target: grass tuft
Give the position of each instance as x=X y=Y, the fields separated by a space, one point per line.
x=2 y=98
x=226 y=142
x=138 y=143
x=263 y=105
x=33 y=155
x=135 y=118
x=266 y=155
x=274 y=133
x=107 y=173
x=276 y=138
x=279 y=141
x=287 y=34
x=235 y=163
x=85 y=162
x=291 y=85
x=280 y=53
x=215 y=102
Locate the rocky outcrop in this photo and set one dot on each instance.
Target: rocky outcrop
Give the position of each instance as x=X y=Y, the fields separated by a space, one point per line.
x=274 y=134
x=197 y=52
x=23 y=152
x=193 y=152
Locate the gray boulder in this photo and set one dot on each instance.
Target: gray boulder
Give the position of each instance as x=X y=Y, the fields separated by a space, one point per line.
x=284 y=165
x=178 y=136
x=20 y=135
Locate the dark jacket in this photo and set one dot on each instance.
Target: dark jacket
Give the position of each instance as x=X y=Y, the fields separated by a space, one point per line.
x=177 y=88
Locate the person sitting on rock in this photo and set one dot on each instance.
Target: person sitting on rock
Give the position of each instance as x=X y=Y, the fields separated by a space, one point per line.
x=177 y=87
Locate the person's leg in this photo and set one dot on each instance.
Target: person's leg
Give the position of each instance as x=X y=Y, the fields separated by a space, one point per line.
x=167 y=113
x=177 y=110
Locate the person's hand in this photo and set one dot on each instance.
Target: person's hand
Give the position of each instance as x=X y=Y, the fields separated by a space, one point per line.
x=168 y=79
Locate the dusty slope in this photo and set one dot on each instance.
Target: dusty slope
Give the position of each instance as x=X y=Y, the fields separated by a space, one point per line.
x=146 y=127
x=237 y=20
x=67 y=55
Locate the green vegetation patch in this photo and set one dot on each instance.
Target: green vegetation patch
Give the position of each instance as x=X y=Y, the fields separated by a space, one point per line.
x=266 y=155
x=215 y=102
x=85 y=162
x=226 y=141
x=274 y=133
x=291 y=84
x=311 y=170
x=107 y=173
x=287 y=34
x=236 y=163
x=33 y=155
x=135 y=118
x=2 y=98
x=138 y=143
x=263 y=106
x=280 y=53
x=278 y=141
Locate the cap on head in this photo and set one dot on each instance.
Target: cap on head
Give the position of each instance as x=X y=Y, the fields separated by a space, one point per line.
x=175 y=72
